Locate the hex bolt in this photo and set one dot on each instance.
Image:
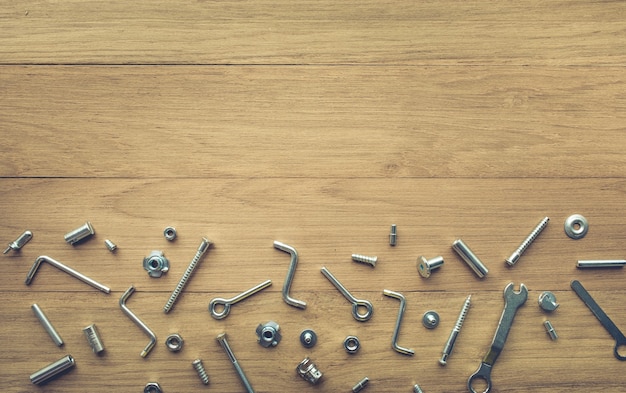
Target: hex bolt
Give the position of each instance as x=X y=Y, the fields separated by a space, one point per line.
x=365 y=259
x=80 y=233
x=47 y=325
x=512 y=260
x=93 y=338
x=18 y=243
x=361 y=385
x=470 y=258
x=547 y=301
x=222 y=339
x=447 y=349
x=110 y=245
x=199 y=367
x=204 y=246
x=426 y=266
x=52 y=370
x=393 y=235
x=550 y=330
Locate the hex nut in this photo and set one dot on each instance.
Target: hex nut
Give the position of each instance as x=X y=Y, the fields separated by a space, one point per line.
x=268 y=334
x=352 y=344
x=170 y=233
x=174 y=342
x=156 y=264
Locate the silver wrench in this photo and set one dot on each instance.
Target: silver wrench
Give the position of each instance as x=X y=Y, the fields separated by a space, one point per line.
x=226 y=303
x=512 y=301
x=356 y=303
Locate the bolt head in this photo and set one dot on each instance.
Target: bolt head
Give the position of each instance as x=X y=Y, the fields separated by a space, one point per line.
x=423 y=268
x=430 y=319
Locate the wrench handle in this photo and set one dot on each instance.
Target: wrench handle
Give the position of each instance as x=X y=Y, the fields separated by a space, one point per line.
x=504 y=326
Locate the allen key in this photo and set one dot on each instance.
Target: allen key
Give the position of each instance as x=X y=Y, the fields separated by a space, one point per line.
x=396 y=332
x=66 y=269
x=138 y=321
x=290 y=273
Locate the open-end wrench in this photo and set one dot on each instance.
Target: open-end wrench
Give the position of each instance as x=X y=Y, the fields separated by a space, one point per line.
x=512 y=301
x=604 y=319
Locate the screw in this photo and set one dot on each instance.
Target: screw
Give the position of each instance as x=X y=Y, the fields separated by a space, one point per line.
x=308 y=338
x=417 y=389
x=547 y=301
x=393 y=235
x=361 y=385
x=110 y=245
x=222 y=339
x=447 y=349
x=430 y=319
x=204 y=246
x=426 y=266
x=526 y=243
x=19 y=242
x=365 y=259
x=197 y=364
x=550 y=330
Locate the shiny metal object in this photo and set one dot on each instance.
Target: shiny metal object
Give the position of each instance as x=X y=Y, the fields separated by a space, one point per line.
x=169 y=233
x=547 y=301
x=356 y=303
x=227 y=303
x=309 y=371
x=80 y=233
x=550 y=330
x=290 y=273
x=18 y=243
x=308 y=338
x=417 y=389
x=447 y=349
x=138 y=322
x=52 y=370
x=600 y=263
x=430 y=320
x=365 y=259
x=396 y=331
x=576 y=226
x=352 y=344
x=609 y=325
x=66 y=269
x=512 y=301
x=174 y=342
x=202 y=374
x=268 y=334
x=393 y=235
x=204 y=246
x=470 y=258
x=222 y=339
x=156 y=264
x=47 y=325
x=426 y=266
x=152 y=387
x=110 y=245
x=360 y=385
x=93 y=338
x=512 y=260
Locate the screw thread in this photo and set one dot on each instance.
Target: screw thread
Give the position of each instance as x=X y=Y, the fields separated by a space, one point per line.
x=526 y=243
x=462 y=314
x=183 y=281
x=365 y=259
x=197 y=364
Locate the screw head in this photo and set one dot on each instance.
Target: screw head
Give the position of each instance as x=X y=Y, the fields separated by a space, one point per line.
x=430 y=319
x=547 y=301
x=308 y=338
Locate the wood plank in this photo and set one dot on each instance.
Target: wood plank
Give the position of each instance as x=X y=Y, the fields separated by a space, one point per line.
x=313 y=32
x=337 y=122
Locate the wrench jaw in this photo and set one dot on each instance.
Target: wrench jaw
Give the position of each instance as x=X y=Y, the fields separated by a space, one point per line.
x=515 y=298
x=620 y=347
x=484 y=373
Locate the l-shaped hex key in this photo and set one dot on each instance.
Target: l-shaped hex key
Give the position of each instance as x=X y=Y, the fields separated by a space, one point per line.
x=138 y=321
x=66 y=269
x=290 y=273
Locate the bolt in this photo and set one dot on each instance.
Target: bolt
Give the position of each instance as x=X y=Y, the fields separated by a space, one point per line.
x=526 y=243
x=19 y=242
x=204 y=246
x=447 y=349
x=547 y=301
x=426 y=266
x=197 y=364
x=365 y=259
x=361 y=385
x=222 y=339
x=393 y=235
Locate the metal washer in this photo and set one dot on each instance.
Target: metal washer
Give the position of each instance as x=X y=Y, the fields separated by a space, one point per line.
x=576 y=226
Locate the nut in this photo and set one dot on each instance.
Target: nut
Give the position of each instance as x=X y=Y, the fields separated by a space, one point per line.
x=169 y=233
x=174 y=342
x=268 y=334
x=351 y=344
x=156 y=264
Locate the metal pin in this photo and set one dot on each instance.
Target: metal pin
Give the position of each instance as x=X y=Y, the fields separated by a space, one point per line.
x=226 y=303
x=290 y=273
x=47 y=325
x=356 y=303
x=199 y=367
x=365 y=259
x=52 y=370
x=550 y=330
x=607 y=263
x=396 y=332
x=447 y=349
x=138 y=322
x=470 y=258
x=110 y=245
x=80 y=233
x=18 y=243
x=93 y=338
x=526 y=243
x=204 y=246
x=66 y=269
x=393 y=235
x=222 y=339
x=361 y=385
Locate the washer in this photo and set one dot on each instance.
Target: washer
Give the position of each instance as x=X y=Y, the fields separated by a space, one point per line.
x=576 y=226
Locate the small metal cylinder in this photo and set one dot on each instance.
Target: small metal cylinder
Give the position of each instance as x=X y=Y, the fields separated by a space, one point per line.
x=52 y=370
x=600 y=263
x=93 y=338
x=470 y=258
x=79 y=233
x=393 y=235
x=361 y=385
x=550 y=330
x=199 y=367
x=47 y=325
x=110 y=245
x=365 y=259
x=426 y=266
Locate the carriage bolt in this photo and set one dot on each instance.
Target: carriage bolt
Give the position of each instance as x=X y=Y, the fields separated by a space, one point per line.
x=512 y=260
x=54 y=335
x=52 y=370
x=222 y=339
x=80 y=233
x=426 y=266
x=18 y=243
x=470 y=258
x=447 y=349
x=204 y=246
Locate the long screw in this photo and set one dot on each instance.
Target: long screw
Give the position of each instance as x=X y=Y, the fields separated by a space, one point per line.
x=447 y=349
x=512 y=260
x=204 y=246
x=197 y=364
x=222 y=339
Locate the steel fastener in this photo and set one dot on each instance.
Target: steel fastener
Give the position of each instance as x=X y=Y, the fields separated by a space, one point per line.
x=430 y=320
x=138 y=322
x=526 y=243
x=110 y=245
x=352 y=344
x=547 y=301
x=309 y=371
x=393 y=235
x=308 y=338
x=227 y=303
x=80 y=233
x=268 y=334
x=356 y=303
x=606 y=263
x=365 y=259
x=396 y=331
x=169 y=233
x=426 y=266
x=156 y=264
x=360 y=385
x=550 y=330
x=18 y=243
x=470 y=258
x=52 y=370
x=199 y=367
x=152 y=387
x=222 y=339
x=174 y=342
x=93 y=338
x=47 y=325
x=447 y=349
x=576 y=226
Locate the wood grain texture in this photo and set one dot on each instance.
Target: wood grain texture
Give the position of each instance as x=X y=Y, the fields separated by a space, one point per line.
x=318 y=124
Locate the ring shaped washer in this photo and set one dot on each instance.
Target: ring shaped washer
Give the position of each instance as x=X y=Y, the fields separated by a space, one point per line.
x=576 y=226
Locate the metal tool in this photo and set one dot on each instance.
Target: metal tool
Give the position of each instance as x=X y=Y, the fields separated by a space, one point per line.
x=356 y=303
x=365 y=259
x=52 y=370
x=550 y=330
x=138 y=322
x=226 y=303
x=222 y=339
x=426 y=266
x=202 y=374
x=66 y=269
x=204 y=246
x=547 y=301
x=620 y=340
x=512 y=260
x=470 y=258
x=396 y=331
x=309 y=371
x=417 y=389
x=80 y=233
x=47 y=325
x=604 y=263
x=93 y=338
x=447 y=349
x=360 y=385
x=18 y=243
x=290 y=273
x=576 y=226
x=393 y=235
x=512 y=301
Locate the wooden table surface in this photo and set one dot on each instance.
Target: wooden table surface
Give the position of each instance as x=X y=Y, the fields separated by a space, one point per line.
x=318 y=124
